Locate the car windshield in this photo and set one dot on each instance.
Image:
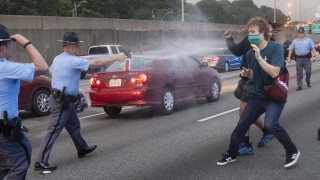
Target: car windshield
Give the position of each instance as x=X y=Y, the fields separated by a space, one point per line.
x=141 y=63
x=98 y=50
x=136 y=64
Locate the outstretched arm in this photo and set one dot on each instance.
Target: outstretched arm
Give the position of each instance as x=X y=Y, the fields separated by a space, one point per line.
x=107 y=60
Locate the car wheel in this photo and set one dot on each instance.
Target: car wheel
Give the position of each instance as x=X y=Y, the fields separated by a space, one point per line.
x=40 y=102
x=226 y=67
x=112 y=111
x=214 y=91
x=167 y=101
x=83 y=74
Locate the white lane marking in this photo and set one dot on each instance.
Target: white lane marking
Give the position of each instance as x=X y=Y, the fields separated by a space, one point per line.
x=85 y=117
x=84 y=89
x=98 y=114
x=217 y=115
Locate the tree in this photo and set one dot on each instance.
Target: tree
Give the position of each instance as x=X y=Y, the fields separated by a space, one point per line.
x=212 y=8
x=223 y=11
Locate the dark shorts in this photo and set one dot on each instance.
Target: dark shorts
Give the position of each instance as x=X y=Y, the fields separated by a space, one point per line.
x=244 y=90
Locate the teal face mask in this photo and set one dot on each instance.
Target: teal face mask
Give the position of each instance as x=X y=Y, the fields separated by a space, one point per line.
x=254 y=39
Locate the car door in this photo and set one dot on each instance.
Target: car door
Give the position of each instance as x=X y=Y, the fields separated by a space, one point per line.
x=198 y=81
x=179 y=77
x=26 y=89
x=234 y=61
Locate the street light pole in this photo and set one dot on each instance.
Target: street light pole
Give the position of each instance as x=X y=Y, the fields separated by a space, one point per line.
x=8 y=7
x=300 y=11
x=75 y=8
x=182 y=10
x=75 y=14
x=274 y=12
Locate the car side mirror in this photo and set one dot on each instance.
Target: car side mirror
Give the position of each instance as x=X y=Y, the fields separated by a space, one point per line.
x=204 y=64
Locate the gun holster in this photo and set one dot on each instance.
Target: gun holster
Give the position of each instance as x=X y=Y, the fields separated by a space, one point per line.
x=62 y=98
x=12 y=129
x=58 y=95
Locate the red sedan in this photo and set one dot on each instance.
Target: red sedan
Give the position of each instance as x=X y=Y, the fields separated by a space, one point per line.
x=155 y=80
x=34 y=96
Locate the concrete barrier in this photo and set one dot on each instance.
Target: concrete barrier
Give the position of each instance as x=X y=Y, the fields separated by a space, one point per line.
x=136 y=35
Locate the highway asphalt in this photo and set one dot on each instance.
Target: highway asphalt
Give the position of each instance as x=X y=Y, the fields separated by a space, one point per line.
x=143 y=144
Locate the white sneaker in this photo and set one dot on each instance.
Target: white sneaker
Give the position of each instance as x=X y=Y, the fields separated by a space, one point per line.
x=226 y=159
x=292 y=158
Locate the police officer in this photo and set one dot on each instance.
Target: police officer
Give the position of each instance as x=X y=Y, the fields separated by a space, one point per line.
x=66 y=69
x=304 y=49
x=15 y=148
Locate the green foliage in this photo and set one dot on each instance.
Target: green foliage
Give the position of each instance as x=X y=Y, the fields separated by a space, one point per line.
x=209 y=11
x=143 y=13
x=212 y=8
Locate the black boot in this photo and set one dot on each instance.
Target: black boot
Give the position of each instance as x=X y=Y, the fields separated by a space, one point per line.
x=308 y=76
x=84 y=152
x=38 y=166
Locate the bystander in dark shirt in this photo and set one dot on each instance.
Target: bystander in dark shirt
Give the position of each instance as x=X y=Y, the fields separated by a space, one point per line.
x=240 y=49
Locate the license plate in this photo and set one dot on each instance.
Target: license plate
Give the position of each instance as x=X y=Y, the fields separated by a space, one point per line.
x=115 y=82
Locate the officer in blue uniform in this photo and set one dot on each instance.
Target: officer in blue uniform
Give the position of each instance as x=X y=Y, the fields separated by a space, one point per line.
x=66 y=69
x=15 y=148
x=304 y=49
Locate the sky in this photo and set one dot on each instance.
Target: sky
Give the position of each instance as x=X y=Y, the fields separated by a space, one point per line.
x=308 y=7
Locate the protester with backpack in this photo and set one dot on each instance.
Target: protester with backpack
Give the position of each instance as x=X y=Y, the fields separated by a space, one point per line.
x=245 y=89
x=265 y=61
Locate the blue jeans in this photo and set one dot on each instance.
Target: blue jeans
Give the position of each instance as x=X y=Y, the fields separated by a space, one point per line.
x=255 y=108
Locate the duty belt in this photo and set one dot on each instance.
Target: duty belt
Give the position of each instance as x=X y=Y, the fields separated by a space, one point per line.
x=56 y=94
x=2 y=123
x=304 y=56
x=71 y=98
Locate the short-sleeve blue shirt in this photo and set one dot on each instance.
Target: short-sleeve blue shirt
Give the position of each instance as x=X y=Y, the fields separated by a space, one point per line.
x=302 y=46
x=10 y=75
x=273 y=54
x=66 y=69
